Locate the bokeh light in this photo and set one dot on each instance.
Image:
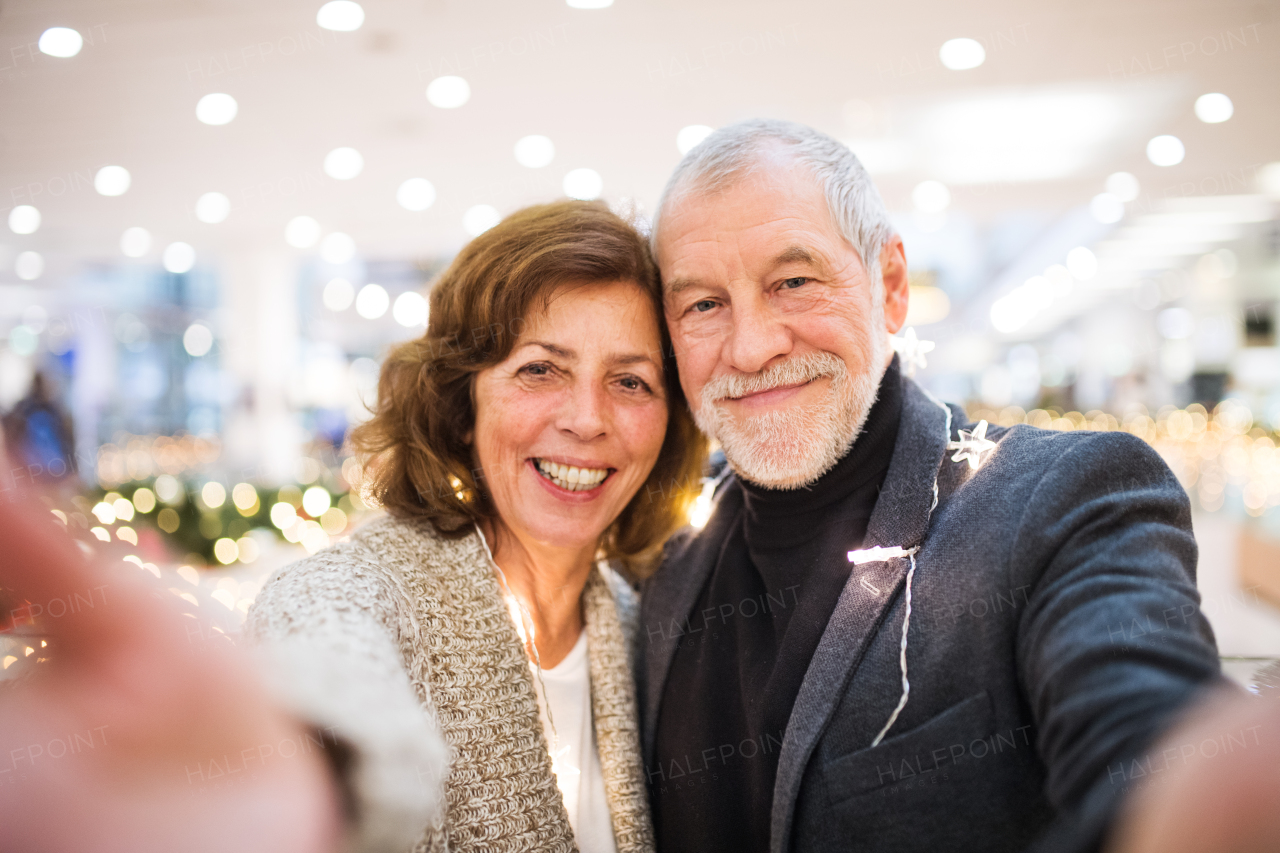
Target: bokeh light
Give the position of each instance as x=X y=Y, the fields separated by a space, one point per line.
x=372 y=301
x=584 y=184
x=216 y=108
x=1214 y=108
x=416 y=194
x=448 y=92
x=338 y=294
x=135 y=242
x=179 y=257
x=28 y=266
x=343 y=16
x=212 y=208
x=302 y=232
x=197 y=340
x=689 y=137
x=343 y=164
x=24 y=219
x=1166 y=150
x=410 y=309
x=112 y=180
x=62 y=42
x=534 y=151
x=479 y=219
x=962 y=54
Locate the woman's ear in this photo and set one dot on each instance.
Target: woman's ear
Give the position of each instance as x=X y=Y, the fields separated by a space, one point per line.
x=893 y=271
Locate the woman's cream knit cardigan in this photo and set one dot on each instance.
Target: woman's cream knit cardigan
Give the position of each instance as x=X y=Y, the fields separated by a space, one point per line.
x=397 y=635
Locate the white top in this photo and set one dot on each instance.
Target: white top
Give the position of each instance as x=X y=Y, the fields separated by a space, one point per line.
x=574 y=755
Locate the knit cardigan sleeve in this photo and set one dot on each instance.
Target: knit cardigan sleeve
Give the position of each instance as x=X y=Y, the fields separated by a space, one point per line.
x=330 y=630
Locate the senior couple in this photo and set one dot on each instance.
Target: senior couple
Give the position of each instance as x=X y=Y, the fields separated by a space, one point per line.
x=895 y=632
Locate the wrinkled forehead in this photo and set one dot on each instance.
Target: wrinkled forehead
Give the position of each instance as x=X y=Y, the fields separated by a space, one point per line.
x=752 y=193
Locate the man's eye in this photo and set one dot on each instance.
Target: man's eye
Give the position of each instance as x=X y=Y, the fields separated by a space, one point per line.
x=703 y=305
x=793 y=283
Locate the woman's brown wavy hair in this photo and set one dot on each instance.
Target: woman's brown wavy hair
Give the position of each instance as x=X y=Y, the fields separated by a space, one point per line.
x=418 y=459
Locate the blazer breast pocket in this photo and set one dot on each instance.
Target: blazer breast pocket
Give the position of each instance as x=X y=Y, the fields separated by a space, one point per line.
x=950 y=743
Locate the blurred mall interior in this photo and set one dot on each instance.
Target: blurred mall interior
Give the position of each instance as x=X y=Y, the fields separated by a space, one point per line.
x=220 y=215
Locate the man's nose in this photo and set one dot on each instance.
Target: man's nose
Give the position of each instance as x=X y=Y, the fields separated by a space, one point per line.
x=757 y=337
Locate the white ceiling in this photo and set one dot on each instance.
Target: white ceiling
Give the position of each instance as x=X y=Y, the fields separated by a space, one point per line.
x=1070 y=92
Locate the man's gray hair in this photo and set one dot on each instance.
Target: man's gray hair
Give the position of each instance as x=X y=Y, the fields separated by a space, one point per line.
x=733 y=152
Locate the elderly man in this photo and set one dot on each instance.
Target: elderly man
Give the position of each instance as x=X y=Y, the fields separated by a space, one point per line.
x=897 y=631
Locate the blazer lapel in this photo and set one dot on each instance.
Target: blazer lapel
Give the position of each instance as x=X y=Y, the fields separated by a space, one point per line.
x=900 y=518
x=667 y=600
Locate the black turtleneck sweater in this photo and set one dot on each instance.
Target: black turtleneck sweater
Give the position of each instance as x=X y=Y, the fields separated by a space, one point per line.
x=752 y=634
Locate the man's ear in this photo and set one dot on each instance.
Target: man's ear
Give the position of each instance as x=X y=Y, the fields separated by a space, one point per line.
x=893 y=269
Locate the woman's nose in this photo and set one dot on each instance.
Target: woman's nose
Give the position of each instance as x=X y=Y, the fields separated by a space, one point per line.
x=584 y=413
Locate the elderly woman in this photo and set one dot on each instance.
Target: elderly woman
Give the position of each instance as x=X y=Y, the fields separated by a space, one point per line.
x=535 y=432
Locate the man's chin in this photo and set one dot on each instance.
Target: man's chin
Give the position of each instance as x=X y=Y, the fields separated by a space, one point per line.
x=778 y=469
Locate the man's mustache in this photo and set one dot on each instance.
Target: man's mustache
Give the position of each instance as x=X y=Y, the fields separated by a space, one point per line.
x=793 y=371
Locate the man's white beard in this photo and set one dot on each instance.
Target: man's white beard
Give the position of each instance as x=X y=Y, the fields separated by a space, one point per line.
x=790 y=448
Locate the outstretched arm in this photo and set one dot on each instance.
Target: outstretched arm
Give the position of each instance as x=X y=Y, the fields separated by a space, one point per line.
x=1113 y=643
x=99 y=745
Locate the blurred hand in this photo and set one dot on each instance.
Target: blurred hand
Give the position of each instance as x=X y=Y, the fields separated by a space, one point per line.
x=1219 y=786
x=126 y=739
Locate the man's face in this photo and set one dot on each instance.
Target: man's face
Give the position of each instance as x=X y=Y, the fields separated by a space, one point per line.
x=780 y=340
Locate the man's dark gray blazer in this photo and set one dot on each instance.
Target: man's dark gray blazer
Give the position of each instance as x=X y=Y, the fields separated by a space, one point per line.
x=1055 y=630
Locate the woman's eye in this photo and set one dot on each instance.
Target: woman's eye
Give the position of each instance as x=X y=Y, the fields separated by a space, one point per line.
x=793 y=283
x=536 y=369
x=703 y=306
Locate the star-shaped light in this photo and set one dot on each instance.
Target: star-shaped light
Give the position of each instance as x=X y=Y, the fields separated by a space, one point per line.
x=911 y=350
x=972 y=445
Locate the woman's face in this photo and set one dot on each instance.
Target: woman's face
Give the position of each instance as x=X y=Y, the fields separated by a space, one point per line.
x=569 y=426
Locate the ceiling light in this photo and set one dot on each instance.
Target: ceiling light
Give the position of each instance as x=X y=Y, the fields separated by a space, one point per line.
x=179 y=257
x=61 y=42
x=410 y=309
x=1010 y=136
x=213 y=208
x=689 y=137
x=302 y=232
x=416 y=194
x=343 y=164
x=589 y=4
x=341 y=16
x=24 y=219
x=1123 y=186
x=931 y=197
x=1106 y=208
x=535 y=151
x=448 y=92
x=338 y=294
x=28 y=266
x=583 y=184
x=337 y=248
x=1082 y=264
x=479 y=219
x=112 y=180
x=135 y=242
x=372 y=301
x=217 y=108
x=197 y=340
x=962 y=54
x=1214 y=108
x=1166 y=150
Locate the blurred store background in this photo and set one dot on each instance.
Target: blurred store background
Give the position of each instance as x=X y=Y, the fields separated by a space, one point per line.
x=220 y=215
